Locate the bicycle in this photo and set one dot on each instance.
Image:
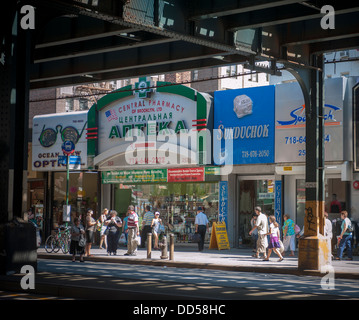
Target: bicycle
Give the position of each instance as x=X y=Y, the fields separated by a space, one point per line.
x=60 y=240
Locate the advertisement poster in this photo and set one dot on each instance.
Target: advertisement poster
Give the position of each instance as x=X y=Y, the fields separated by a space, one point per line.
x=48 y=135
x=290 y=121
x=246 y=117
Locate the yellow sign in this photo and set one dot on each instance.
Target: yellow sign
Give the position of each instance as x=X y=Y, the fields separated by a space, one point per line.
x=287 y=168
x=219 y=237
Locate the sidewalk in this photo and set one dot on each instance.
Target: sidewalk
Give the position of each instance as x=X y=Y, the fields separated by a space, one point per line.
x=186 y=255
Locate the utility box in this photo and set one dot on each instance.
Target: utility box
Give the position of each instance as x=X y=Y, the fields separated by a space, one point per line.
x=17 y=246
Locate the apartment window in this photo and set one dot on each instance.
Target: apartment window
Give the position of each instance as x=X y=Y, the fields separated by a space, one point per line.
x=83 y=104
x=253 y=77
x=69 y=106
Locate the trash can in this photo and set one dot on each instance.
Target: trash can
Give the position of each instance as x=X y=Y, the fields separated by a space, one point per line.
x=17 y=246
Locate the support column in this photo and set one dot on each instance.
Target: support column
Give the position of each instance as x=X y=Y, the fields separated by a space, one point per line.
x=313 y=247
x=14 y=98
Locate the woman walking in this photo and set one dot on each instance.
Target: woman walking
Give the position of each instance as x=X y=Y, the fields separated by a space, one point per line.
x=289 y=234
x=274 y=236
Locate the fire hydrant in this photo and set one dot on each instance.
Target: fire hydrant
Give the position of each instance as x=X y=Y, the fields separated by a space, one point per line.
x=163 y=247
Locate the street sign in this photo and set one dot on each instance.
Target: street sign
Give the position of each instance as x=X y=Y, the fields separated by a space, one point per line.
x=62 y=160
x=68 y=147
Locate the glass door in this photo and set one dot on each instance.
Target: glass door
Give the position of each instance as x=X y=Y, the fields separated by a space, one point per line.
x=253 y=192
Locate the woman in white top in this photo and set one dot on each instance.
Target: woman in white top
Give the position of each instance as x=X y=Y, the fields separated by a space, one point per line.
x=274 y=235
x=155 y=225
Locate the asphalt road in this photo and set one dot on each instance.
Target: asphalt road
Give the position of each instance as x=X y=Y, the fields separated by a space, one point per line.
x=97 y=280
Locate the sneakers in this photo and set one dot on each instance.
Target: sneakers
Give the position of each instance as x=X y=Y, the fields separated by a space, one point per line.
x=130 y=254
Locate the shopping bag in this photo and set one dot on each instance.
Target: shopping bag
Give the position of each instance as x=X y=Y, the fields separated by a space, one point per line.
x=122 y=240
x=281 y=249
x=138 y=240
x=196 y=238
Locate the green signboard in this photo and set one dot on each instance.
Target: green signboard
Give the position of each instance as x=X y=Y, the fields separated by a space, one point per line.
x=135 y=176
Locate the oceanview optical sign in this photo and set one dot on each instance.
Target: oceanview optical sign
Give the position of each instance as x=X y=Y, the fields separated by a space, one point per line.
x=49 y=132
x=246 y=117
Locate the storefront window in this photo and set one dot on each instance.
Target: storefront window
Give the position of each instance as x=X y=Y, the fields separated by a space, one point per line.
x=300 y=214
x=335 y=199
x=176 y=202
x=253 y=193
x=82 y=194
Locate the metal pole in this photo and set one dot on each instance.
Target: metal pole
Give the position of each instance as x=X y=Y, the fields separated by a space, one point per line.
x=67 y=180
x=172 y=246
x=149 y=245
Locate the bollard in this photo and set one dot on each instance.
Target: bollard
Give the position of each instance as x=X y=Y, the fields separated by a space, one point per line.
x=149 y=245
x=163 y=246
x=172 y=246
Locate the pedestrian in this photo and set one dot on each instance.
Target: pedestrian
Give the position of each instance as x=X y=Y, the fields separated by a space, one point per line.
x=262 y=227
x=133 y=232
x=202 y=225
x=114 y=225
x=103 y=237
x=274 y=236
x=328 y=231
x=254 y=233
x=125 y=227
x=155 y=225
x=288 y=235
x=146 y=225
x=90 y=231
x=345 y=237
x=76 y=232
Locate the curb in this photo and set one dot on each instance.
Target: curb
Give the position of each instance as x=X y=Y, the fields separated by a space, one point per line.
x=207 y=266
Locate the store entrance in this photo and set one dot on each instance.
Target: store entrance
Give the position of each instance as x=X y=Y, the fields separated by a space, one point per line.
x=176 y=202
x=252 y=193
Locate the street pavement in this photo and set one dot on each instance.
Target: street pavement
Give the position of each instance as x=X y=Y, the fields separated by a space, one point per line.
x=226 y=274
x=186 y=255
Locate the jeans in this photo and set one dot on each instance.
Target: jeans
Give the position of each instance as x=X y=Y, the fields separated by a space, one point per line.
x=346 y=241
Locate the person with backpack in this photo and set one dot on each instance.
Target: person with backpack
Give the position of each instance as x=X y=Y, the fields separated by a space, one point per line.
x=345 y=237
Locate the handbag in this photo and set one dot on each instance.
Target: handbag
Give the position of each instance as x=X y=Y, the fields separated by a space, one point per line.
x=107 y=231
x=196 y=238
x=82 y=241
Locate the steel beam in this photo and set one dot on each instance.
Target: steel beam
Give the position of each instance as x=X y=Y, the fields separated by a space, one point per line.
x=205 y=9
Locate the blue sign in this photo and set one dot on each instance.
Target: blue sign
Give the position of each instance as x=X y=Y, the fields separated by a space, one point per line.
x=246 y=118
x=223 y=202
x=278 y=201
x=62 y=160
x=75 y=160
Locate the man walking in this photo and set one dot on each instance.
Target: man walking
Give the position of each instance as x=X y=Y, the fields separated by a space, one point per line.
x=146 y=225
x=262 y=227
x=202 y=226
x=133 y=232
